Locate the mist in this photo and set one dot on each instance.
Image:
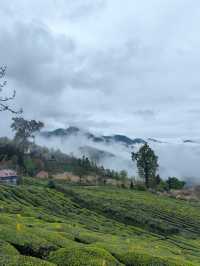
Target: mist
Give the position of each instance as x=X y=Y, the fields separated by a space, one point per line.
x=176 y=158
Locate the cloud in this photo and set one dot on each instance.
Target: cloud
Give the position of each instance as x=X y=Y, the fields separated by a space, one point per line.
x=186 y=167
x=116 y=67
x=32 y=55
x=48 y=9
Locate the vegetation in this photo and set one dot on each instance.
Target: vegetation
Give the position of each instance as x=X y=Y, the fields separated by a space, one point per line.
x=24 y=130
x=147 y=164
x=84 y=256
x=95 y=226
x=53 y=161
x=175 y=183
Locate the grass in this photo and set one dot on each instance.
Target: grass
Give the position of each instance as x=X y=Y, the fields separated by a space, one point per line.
x=95 y=226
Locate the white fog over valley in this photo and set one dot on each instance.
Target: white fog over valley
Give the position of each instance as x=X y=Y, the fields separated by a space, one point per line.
x=185 y=165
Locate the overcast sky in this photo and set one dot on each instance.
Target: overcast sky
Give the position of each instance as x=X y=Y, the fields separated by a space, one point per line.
x=112 y=66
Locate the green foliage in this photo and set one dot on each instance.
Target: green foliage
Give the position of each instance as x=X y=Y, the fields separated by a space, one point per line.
x=24 y=130
x=83 y=167
x=9 y=256
x=23 y=261
x=175 y=183
x=39 y=158
x=83 y=256
x=26 y=242
x=131 y=185
x=147 y=164
x=76 y=225
x=30 y=167
x=7 y=250
x=140 y=186
x=51 y=184
x=123 y=175
x=9 y=152
x=138 y=258
x=163 y=186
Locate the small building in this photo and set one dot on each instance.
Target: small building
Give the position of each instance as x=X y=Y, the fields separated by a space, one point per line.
x=42 y=174
x=8 y=176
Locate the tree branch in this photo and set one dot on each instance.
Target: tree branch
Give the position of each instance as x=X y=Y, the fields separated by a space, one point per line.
x=3 y=100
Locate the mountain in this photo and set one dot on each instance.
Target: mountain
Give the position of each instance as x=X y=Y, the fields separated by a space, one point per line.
x=61 y=132
x=114 y=151
x=74 y=131
x=155 y=140
x=190 y=141
x=111 y=151
x=94 y=154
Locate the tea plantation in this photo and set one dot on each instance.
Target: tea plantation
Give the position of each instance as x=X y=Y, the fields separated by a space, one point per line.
x=95 y=226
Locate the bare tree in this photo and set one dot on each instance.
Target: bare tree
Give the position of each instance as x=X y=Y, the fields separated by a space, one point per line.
x=4 y=101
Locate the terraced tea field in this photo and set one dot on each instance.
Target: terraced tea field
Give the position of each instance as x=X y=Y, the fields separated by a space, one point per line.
x=95 y=226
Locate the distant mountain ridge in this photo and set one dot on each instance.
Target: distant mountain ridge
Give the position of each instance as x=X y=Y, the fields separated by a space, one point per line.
x=114 y=151
x=74 y=131
x=109 y=139
x=98 y=148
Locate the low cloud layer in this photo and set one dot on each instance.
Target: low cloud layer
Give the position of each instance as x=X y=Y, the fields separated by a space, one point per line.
x=176 y=158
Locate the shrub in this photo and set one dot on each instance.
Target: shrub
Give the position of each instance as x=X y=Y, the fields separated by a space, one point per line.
x=87 y=238
x=162 y=186
x=142 y=259
x=7 y=250
x=24 y=261
x=83 y=256
x=27 y=243
x=140 y=186
x=175 y=183
x=51 y=184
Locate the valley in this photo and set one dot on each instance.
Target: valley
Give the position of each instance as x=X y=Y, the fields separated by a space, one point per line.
x=113 y=151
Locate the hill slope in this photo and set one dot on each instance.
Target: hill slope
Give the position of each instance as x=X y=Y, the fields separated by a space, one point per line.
x=80 y=142
x=95 y=226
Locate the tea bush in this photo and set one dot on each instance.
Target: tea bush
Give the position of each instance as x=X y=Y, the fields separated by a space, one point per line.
x=142 y=259
x=83 y=256
x=78 y=226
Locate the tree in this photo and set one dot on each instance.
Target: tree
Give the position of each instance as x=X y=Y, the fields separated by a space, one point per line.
x=158 y=179
x=147 y=164
x=25 y=130
x=131 y=185
x=51 y=184
x=82 y=168
x=175 y=183
x=123 y=175
x=162 y=186
x=4 y=101
x=30 y=167
x=8 y=151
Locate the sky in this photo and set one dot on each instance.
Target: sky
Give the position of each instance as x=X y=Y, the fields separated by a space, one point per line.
x=111 y=66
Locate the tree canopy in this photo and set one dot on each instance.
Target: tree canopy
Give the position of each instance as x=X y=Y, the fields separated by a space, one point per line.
x=147 y=164
x=175 y=183
x=24 y=130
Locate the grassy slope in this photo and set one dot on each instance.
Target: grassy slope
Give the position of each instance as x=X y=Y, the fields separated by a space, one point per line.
x=77 y=226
